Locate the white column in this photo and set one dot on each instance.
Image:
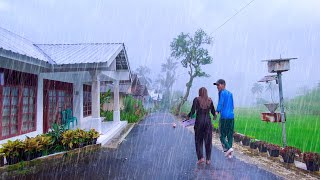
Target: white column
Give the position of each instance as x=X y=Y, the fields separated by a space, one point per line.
x=95 y=91
x=39 y=109
x=78 y=101
x=116 y=103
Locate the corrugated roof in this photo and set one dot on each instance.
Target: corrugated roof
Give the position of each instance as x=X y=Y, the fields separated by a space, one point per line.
x=63 y=53
x=17 y=44
x=81 y=53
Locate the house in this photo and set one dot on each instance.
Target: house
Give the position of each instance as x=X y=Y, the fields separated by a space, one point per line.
x=38 y=81
x=156 y=97
x=138 y=89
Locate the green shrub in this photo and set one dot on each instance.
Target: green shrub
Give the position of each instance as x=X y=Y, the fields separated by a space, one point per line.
x=132 y=112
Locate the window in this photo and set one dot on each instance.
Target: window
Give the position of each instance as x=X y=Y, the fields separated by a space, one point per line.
x=28 y=109
x=18 y=92
x=57 y=98
x=87 y=101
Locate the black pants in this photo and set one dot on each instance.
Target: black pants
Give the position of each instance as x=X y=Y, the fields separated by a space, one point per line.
x=203 y=132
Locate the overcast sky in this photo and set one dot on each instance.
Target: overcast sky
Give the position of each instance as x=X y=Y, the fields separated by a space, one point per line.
x=264 y=30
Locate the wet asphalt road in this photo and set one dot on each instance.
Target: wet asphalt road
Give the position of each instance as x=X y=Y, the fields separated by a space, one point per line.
x=154 y=150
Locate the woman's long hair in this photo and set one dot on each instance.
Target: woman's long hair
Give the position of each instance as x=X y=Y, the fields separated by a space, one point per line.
x=203 y=98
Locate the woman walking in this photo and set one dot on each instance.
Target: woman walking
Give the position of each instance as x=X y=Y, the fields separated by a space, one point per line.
x=203 y=105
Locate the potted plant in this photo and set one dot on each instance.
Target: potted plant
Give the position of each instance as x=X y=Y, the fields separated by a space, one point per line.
x=274 y=150
x=288 y=153
x=93 y=134
x=79 y=138
x=13 y=151
x=30 y=145
x=1 y=159
x=44 y=144
x=254 y=144
x=246 y=140
x=237 y=137
x=262 y=146
x=55 y=133
x=68 y=139
x=312 y=161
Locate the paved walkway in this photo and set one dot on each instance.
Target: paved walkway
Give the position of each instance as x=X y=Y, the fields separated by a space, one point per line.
x=155 y=150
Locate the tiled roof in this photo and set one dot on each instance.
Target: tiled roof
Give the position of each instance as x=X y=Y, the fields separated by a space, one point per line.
x=81 y=53
x=17 y=44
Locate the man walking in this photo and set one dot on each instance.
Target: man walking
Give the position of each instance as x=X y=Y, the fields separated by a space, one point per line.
x=226 y=123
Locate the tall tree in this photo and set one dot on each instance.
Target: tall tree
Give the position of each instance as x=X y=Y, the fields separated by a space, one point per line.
x=143 y=73
x=257 y=88
x=193 y=55
x=167 y=80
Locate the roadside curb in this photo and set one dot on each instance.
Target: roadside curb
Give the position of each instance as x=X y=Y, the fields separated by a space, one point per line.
x=117 y=140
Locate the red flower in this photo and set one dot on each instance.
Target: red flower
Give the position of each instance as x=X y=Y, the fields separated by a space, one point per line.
x=289 y=150
x=309 y=156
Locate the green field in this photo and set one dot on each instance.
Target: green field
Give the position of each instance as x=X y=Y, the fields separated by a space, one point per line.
x=303 y=131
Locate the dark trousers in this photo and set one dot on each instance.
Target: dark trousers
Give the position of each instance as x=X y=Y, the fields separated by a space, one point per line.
x=226 y=127
x=203 y=133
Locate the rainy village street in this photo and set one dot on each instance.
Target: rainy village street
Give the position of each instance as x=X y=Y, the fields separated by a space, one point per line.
x=109 y=89
x=154 y=150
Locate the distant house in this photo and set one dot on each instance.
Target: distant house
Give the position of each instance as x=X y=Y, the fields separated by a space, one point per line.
x=155 y=96
x=138 y=89
x=38 y=81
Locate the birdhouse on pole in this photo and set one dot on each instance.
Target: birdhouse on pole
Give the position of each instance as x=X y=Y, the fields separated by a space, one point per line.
x=277 y=66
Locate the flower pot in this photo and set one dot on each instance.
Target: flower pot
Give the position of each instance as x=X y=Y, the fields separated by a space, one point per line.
x=37 y=154
x=1 y=160
x=28 y=156
x=245 y=142
x=237 y=138
x=274 y=152
x=94 y=141
x=253 y=145
x=262 y=149
x=81 y=145
x=312 y=166
x=13 y=160
x=288 y=159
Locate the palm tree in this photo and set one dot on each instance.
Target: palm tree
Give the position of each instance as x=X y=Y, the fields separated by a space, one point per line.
x=143 y=72
x=165 y=82
x=257 y=89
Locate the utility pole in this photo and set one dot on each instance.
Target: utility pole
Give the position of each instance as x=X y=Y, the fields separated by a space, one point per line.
x=278 y=66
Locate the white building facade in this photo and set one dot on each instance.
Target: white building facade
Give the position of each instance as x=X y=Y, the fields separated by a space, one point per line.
x=39 y=81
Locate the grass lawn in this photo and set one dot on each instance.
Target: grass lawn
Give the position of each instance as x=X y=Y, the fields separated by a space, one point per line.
x=303 y=131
